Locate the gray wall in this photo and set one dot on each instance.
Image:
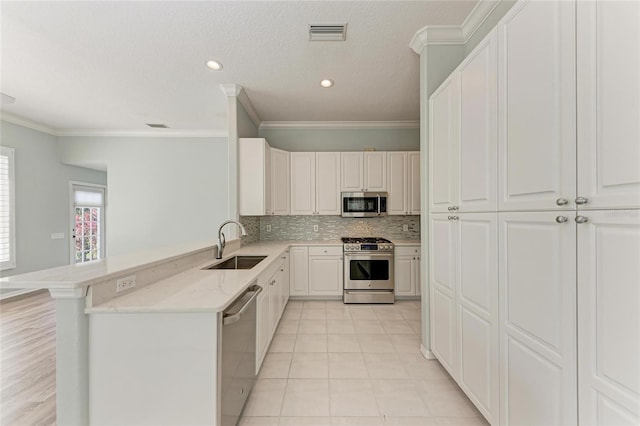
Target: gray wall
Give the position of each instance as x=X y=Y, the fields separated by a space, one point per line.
x=490 y=22
x=162 y=190
x=343 y=139
x=441 y=60
x=42 y=198
x=246 y=127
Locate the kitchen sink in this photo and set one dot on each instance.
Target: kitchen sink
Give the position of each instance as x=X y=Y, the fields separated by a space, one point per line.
x=238 y=262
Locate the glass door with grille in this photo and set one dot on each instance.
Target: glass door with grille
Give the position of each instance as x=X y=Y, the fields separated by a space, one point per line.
x=87 y=219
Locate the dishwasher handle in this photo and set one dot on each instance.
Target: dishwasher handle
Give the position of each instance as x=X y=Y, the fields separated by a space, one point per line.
x=230 y=319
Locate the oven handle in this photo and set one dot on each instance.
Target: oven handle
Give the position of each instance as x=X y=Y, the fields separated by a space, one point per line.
x=378 y=204
x=367 y=254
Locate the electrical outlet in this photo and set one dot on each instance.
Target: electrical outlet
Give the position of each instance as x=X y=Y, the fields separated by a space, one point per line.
x=268 y=228
x=125 y=283
x=405 y=228
x=315 y=228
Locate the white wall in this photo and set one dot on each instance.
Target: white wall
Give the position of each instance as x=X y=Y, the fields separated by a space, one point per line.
x=246 y=127
x=162 y=190
x=42 y=198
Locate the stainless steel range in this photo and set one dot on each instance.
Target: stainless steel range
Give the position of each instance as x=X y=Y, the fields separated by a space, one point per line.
x=368 y=270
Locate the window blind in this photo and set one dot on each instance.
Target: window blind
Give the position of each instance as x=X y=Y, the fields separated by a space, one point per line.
x=7 y=209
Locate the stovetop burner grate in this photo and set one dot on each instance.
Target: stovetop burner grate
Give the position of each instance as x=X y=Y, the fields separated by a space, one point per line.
x=364 y=240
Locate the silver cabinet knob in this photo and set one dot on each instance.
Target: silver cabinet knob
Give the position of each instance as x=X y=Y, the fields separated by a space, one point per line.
x=582 y=219
x=562 y=201
x=581 y=200
x=455 y=208
x=452 y=217
x=562 y=219
x=449 y=208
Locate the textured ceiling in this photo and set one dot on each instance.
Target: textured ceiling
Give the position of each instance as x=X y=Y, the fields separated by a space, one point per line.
x=110 y=65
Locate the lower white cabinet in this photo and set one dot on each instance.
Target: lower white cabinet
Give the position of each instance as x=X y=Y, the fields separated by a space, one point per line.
x=316 y=271
x=538 y=318
x=270 y=305
x=609 y=317
x=464 y=303
x=407 y=270
x=325 y=271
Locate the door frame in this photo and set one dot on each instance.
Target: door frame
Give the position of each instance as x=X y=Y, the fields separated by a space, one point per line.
x=71 y=212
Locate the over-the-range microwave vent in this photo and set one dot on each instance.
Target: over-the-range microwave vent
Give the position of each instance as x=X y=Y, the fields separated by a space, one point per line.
x=327 y=32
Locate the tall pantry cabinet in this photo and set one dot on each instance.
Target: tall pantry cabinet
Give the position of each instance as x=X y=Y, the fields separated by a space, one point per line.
x=563 y=228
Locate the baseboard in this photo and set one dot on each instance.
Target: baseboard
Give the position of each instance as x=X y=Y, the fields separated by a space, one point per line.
x=5 y=297
x=426 y=353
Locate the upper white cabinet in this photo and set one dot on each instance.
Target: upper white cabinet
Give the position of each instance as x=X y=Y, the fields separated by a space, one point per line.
x=280 y=189
x=363 y=171
x=315 y=183
x=538 y=318
x=254 y=177
x=444 y=133
x=328 y=183
x=403 y=183
x=608 y=104
x=537 y=106
x=463 y=135
x=303 y=183
x=609 y=317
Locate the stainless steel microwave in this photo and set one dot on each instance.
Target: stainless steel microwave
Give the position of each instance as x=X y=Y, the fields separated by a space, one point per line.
x=364 y=204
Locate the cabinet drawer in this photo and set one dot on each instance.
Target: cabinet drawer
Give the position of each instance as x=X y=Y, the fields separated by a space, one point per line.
x=325 y=251
x=407 y=251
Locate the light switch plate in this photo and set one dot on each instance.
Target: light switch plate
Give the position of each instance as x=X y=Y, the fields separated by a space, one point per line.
x=268 y=228
x=315 y=228
x=405 y=228
x=125 y=283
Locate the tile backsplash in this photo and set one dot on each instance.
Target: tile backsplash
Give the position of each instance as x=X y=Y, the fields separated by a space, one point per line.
x=330 y=227
x=252 y=226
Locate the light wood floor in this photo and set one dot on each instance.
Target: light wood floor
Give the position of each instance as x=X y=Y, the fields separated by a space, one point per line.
x=28 y=361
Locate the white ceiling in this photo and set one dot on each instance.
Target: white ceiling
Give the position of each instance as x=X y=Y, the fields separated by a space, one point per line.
x=113 y=66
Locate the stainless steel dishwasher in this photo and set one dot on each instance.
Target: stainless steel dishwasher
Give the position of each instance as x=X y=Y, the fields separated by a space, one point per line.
x=238 y=355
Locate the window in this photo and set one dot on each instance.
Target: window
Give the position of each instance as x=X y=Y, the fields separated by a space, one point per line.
x=7 y=210
x=88 y=220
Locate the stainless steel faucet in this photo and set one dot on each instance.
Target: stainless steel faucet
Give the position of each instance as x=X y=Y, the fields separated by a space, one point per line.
x=221 y=239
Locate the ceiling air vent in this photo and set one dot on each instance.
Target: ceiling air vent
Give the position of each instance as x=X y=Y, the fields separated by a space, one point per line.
x=327 y=32
x=158 y=125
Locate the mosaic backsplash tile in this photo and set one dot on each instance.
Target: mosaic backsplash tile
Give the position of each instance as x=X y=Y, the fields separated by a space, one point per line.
x=335 y=227
x=252 y=226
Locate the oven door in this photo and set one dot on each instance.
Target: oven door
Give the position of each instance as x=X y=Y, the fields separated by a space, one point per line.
x=368 y=271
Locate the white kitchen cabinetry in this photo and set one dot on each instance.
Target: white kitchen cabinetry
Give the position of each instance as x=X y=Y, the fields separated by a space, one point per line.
x=608 y=104
x=538 y=318
x=254 y=177
x=315 y=183
x=363 y=171
x=327 y=188
x=537 y=106
x=407 y=270
x=403 y=183
x=270 y=305
x=299 y=271
x=464 y=303
x=280 y=188
x=303 y=183
x=325 y=271
x=463 y=139
x=609 y=317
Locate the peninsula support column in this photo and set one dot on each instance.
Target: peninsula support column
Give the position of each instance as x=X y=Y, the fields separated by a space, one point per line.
x=72 y=357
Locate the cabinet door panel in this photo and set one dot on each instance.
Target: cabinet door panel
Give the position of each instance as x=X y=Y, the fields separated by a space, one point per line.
x=414 y=183
x=609 y=317
x=479 y=128
x=609 y=103
x=303 y=183
x=477 y=272
x=280 y=188
x=403 y=276
x=299 y=271
x=397 y=183
x=325 y=276
x=536 y=107
x=537 y=319
x=328 y=183
x=441 y=252
x=352 y=167
x=375 y=171
x=443 y=144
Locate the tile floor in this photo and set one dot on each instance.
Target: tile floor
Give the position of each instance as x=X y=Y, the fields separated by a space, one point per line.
x=336 y=364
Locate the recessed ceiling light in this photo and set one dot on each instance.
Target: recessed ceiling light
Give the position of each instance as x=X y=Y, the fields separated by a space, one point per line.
x=327 y=83
x=214 y=64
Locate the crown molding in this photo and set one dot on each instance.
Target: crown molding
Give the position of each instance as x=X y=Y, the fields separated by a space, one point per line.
x=231 y=89
x=158 y=133
x=10 y=118
x=408 y=124
x=453 y=34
